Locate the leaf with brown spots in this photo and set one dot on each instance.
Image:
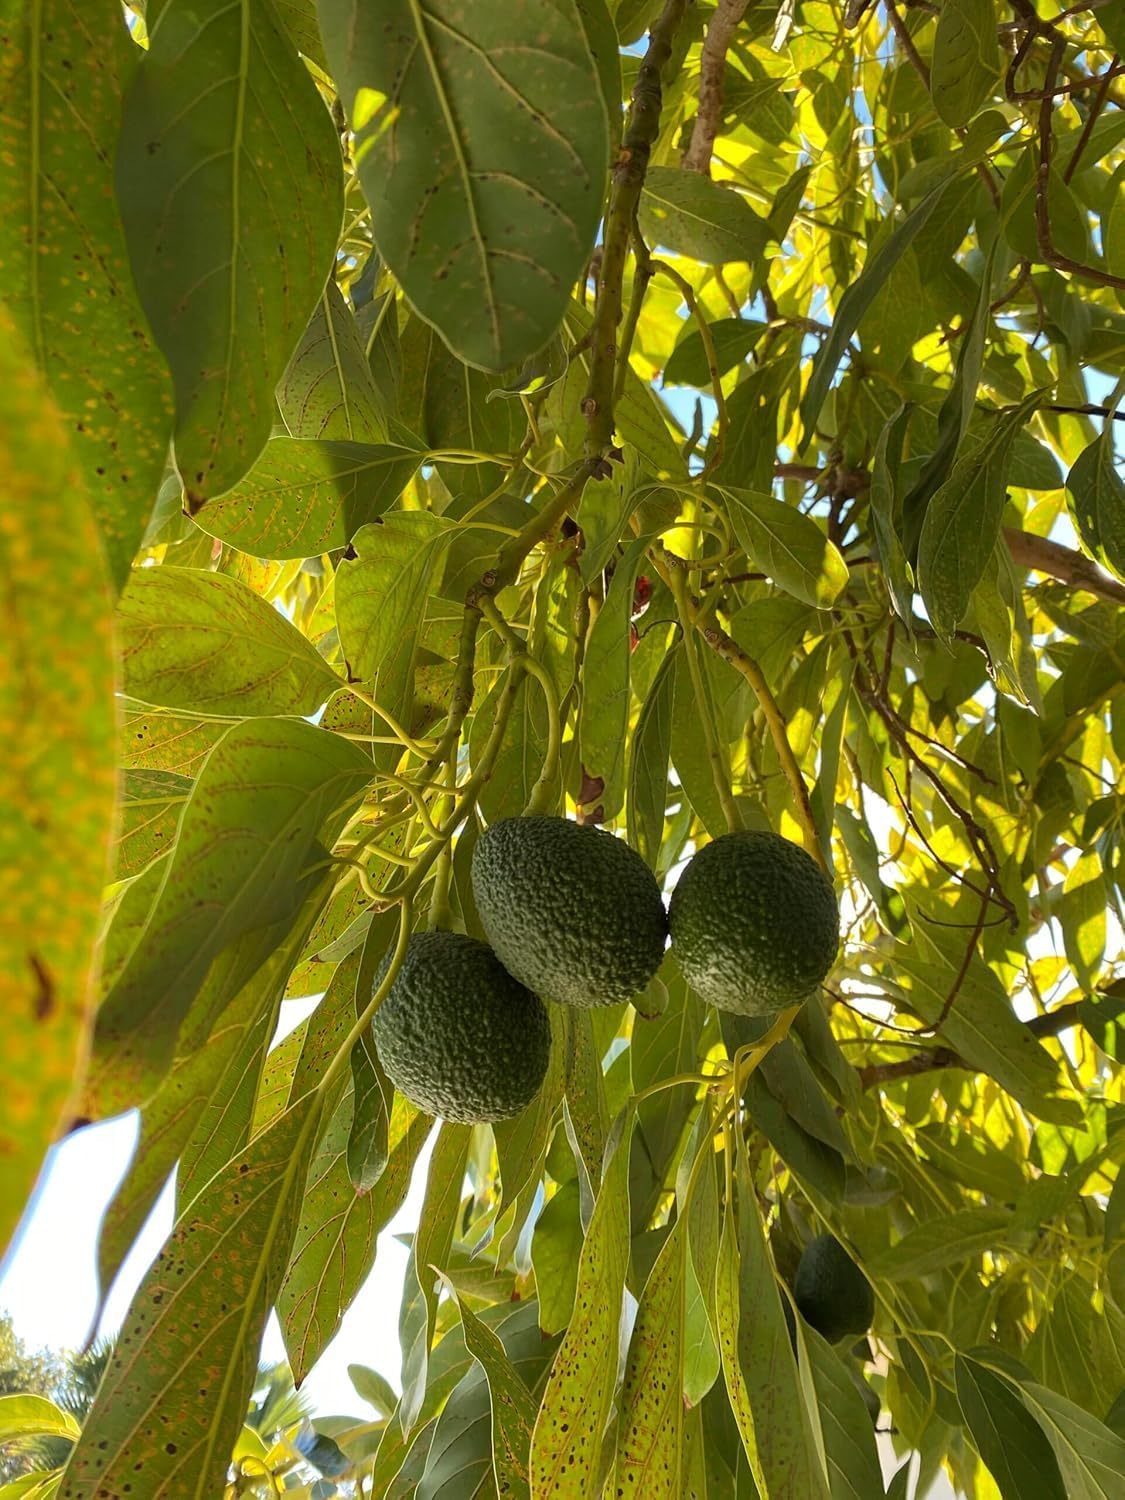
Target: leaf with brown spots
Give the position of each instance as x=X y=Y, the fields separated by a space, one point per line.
x=761 y=1373
x=173 y=1397
x=305 y=496
x=220 y=112
x=167 y=1123
x=208 y=642
x=247 y=841
x=451 y=104
x=64 y=67
x=567 y=1444
x=335 y=1245
x=513 y=1408
x=650 y=1439
x=151 y=804
x=328 y=390
x=56 y=773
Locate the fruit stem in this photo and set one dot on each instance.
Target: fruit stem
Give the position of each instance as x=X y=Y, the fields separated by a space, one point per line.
x=719 y=770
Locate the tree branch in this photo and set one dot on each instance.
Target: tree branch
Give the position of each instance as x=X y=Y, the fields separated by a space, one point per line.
x=1044 y=556
x=932 y=1059
x=712 y=64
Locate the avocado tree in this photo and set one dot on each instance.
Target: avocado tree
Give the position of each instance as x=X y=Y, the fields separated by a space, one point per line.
x=682 y=419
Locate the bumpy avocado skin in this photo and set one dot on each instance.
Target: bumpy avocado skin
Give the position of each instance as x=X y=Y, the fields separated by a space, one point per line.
x=754 y=923
x=831 y=1292
x=458 y=1035
x=571 y=911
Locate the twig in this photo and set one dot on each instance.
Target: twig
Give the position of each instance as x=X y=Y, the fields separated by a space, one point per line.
x=712 y=65
x=959 y=977
x=1052 y=256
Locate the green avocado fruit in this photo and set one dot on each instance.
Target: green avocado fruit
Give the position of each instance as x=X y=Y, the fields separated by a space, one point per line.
x=831 y=1292
x=571 y=911
x=457 y=1034
x=754 y=923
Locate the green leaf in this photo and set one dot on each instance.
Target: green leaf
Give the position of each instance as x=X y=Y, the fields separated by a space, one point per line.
x=208 y=642
x=849 y=1434
x=373 y=1091
x=555 y=1250
x=303 y=498
x=432 y=1242
x=220 y=109
x=328 y=390
x=566 y=1446
x=513 y=1409
x=603 y=512
x=1082 y=915
x=57 y=773
x=1091 y=1457
x=886 y=512
x=449 y=106
x=966 y=62
x=334 y=1245
x=458 y=1460
x=381 y=594
x=650 y=1436
x=962 y=521
x=1097 y=493
x=982 y=1027
x=34 y=1417
x=940 y=1243
x=517 y=766
x=789 y=547
x=603 y=717
x=648 y=762
x=761 y=1374
x=733 y=339
x=67 y=280
x=373 y=1388
x=174 y=1395
x=1006 y=1436
x=152 y=739
x=854 y=303
x=200 y=1075
x=150 y=808
x=247 y=838
x=691 y=215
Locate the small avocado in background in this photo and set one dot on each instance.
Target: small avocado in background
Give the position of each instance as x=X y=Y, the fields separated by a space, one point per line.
x=457 y=1035
x=754 y=922
x=831 y=1292
x=571 y=911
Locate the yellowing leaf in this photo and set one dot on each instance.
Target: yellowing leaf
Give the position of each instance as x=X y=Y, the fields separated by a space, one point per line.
x=56 y=773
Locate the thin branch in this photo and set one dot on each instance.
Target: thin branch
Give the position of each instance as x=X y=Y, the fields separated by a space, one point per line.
x=931 y=1059
x=1042 y=555
x=1047 y=250
x=712 y=65
x=1091 y=120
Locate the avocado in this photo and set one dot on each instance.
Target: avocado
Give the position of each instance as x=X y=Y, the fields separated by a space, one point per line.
x=571 y=911
x=457 y=1034
x=754 y=923
x=831 y=1292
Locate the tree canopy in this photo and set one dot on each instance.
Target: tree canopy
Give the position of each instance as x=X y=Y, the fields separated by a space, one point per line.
x=677 y=417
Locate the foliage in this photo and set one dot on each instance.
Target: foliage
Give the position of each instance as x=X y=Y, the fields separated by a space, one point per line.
x=790 y=503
